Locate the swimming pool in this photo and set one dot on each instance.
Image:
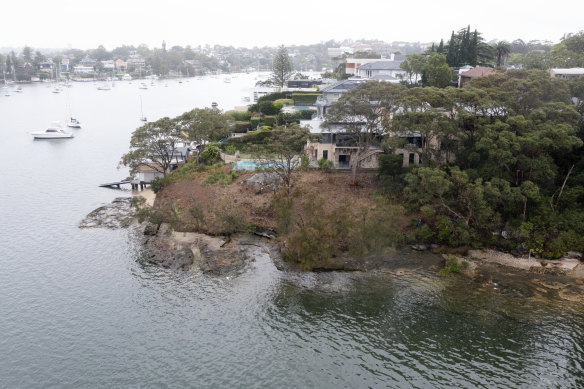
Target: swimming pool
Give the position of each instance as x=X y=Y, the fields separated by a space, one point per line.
x=249 y=165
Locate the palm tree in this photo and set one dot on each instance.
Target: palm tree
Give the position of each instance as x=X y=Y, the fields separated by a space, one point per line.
x=502 y=50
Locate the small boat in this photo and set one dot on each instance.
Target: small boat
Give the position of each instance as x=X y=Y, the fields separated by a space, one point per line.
x=73 y=123
x=54 y=131
x=143 y=85
x=18 y=89
x=104 y=87
x=227 y=80
x=56 y=90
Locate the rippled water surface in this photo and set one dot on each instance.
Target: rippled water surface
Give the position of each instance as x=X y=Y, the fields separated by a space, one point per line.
x=79 y=309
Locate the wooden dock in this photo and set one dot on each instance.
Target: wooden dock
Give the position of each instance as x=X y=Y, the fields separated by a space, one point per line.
x=116 y=184
x=136 y=184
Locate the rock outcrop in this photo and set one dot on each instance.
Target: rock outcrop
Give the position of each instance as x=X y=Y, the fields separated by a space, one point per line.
x=212 y=255
x=118 y=214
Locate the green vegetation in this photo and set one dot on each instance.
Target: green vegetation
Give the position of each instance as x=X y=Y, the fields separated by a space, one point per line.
x=319 y=235
x=511 y=158
x=453 y=266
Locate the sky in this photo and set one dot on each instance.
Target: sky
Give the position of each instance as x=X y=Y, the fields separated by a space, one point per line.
x=87 y=24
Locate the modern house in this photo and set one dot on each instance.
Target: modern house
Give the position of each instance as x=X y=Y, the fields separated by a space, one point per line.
x=567 y=74
x=353 y=64
x=389 y=69
x=332 y=93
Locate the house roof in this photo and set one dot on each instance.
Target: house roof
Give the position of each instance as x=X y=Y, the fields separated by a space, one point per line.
x=341 y=86
x=571 y=71
x=381 y=65
x=143 y=168
x=479 y=71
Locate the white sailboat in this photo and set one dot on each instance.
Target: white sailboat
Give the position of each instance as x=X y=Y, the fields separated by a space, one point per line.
x=142 y=117
x=72 y=121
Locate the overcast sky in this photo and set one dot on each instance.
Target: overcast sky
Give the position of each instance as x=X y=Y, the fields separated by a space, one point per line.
x=87 y=24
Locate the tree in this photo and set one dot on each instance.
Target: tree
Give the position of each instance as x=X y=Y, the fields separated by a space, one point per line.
x=502 y=50
x=438 y=73
x=282 y=152
x=203 y=125
x=27 y=54
x=365 y=113
x=281 y=67
x=154 y=145
x=414 y=66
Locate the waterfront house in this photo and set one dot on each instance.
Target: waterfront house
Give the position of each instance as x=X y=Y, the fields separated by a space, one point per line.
x=148 y=172
x=88 y=62
x=121 y=65
x=81 y=69
x=108 y=65
x=65 y=65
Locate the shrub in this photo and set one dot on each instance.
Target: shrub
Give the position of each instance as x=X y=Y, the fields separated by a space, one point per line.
x=304 y=162
x=210 y=154
x=229 y=149
x=270 y=121
x=254 y=122
x=325 y=165
x=230 y=217
x=268 y=108
x=240 y=116
x=219 y=178
x=282 y=102
x=305 y=98
x=241 y=126
x=452 y=266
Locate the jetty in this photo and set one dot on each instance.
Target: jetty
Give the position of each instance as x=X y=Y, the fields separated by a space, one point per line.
x=134 y=183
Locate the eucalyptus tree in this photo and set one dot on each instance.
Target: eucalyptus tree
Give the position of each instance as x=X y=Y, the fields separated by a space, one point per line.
x=203 y=125
x=153 y=145
x=282 y=151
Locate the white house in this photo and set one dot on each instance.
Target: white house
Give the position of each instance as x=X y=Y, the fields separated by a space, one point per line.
x=381 y=68
x=147 y=173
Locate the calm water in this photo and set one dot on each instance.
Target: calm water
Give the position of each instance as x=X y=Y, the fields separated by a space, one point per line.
x=78 y=308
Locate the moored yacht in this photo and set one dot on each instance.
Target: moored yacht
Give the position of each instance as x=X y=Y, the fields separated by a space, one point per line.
x=54 y=131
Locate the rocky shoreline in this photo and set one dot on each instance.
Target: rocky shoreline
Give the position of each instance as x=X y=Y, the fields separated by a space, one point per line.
x=220 y=256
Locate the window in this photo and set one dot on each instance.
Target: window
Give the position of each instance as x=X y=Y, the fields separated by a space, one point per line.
x=325 y=154
x=412 y=156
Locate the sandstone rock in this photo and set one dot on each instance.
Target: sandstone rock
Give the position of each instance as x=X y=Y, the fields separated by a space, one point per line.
x=118 y=214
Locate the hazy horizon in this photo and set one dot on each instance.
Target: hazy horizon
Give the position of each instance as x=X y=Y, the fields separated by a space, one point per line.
x=63 y=24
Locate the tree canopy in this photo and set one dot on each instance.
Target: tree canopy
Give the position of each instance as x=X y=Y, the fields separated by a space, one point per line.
x=153 y=145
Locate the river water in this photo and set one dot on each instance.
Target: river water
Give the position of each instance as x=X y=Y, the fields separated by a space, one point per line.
x=78 y=308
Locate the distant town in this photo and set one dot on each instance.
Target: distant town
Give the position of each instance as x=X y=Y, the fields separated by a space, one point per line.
x=28 y=64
